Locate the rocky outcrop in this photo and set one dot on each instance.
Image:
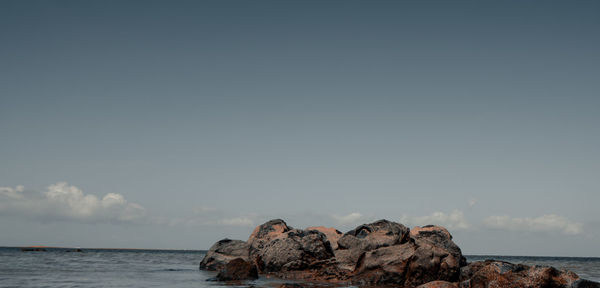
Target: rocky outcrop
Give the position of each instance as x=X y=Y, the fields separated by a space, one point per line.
x=282 y=250
x=379 y=253
x=368 y=237
x=237 y=269
x=493 y=273
x=410 y=264
x=222 y=252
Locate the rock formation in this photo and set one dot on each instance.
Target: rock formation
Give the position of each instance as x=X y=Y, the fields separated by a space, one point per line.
x=237 y=269
x=378 y=253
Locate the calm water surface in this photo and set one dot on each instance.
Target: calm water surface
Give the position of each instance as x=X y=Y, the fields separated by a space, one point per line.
x=168 y=268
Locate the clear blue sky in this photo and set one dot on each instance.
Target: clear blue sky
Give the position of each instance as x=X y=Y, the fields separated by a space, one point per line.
x=172 y=124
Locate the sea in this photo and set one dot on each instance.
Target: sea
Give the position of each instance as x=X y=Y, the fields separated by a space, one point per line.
x=59 y=267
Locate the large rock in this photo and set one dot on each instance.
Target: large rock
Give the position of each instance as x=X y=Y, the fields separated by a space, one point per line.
x=222 y=252
x=440 y=237
x=294 y=250
x=410 y=264
x=237 y=269
x=265 y=233
x=367 y=237
x=371 y=236
x=493 y=273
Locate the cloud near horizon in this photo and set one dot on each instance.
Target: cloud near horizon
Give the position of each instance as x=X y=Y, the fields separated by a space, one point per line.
x=352 y=218
x=545 y=223
x=454 y=220
x=64 y=202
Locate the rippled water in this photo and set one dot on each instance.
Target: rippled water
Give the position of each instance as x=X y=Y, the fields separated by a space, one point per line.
x=167 y=268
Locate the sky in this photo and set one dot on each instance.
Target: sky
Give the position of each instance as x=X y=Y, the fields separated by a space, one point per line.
x=174 y=124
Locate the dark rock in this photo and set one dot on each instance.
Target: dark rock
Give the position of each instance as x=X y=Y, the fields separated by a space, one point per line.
x=265 y=233
x=238 y=269
x=438 y=236
x=222 y=252
x=410 y=264
x=368 y=237
x=294 y=250
x=371 y=236
x=33 y=249
x=582 y=283
x=291 y=285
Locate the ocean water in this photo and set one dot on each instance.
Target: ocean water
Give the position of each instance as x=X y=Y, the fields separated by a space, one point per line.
x=169 y=268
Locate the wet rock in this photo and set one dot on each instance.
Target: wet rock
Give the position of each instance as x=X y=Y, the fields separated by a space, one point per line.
x=222 y=252
x=237 y=269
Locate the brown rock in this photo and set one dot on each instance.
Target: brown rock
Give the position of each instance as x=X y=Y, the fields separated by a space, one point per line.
x=371 y=236
x=265 y=233
x=368 y=237
x=238 y=269
x=294 y=250
x=222 y=252
x=410 y=264
x=438 y=284
x=440 y=237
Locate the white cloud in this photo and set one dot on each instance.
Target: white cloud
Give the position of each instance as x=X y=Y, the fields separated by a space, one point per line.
x=62 y=201
x=351 y=218
x=236 y=221
x=454 y=220
x=12 y=193
x=205 y=209
x=545 y=223
x=472 y=202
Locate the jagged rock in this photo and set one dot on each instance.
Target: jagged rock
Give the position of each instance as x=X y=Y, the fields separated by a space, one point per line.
x=265 y=233
x=294 y=250
x=438 y=284
x=438 y=236
x=492 y=273
x=379 y=253
x=237 y=269
x=367 y=237
x=410 y=264
x=222 y=252
x=371 y=236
